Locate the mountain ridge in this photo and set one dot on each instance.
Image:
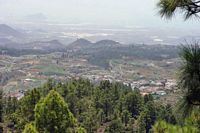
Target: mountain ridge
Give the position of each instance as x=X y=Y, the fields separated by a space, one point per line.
x=85 y=43
x=7 y=31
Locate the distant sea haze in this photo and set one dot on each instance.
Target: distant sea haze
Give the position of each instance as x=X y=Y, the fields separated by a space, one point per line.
x=70 y=32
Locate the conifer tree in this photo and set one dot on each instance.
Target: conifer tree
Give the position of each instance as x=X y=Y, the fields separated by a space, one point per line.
x=52 y=114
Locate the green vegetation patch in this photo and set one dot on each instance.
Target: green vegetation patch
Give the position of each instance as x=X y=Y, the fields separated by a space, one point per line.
x=50 y=69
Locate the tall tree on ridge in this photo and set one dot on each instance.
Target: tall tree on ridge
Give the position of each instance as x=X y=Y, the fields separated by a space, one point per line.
x=189 y=76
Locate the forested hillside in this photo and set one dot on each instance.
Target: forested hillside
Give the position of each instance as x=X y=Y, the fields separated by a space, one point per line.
x=80 y=106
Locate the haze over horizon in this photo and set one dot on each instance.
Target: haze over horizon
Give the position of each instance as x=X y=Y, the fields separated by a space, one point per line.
x=129 y=13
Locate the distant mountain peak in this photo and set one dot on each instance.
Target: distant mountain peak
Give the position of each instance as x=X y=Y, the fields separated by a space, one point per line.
x=106 y=42
x=80 y=42
x=7 y=31
x=45 y=45
x=83 y=41
x=3 y=25
x=55 y=41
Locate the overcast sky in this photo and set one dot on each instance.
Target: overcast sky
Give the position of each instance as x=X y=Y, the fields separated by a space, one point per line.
x=107 y=12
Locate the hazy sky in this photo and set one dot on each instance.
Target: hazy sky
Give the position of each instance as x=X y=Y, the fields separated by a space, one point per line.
x=106 y=12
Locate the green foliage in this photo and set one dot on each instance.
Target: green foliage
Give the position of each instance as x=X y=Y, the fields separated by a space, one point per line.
x=81 y=130
x=142 y=122
x=134 y=103
x=194 y=119
x=49 y=85
x=169 y=7
x=17 y=121
x=29 y=128
x=89 y=120
x=189 y=74
x=10 y=105
x=164 y=127
x=126 y=117
x=166 y=113
x=189 y=78
x=61 y=107
x=50 y=69
x=28 y=102
x=115 y=126
x=148 y=98
x=147 y=117
x=52 y=114
x=188 y=106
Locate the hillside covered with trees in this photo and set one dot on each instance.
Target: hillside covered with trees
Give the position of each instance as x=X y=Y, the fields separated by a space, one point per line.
x=80 y=106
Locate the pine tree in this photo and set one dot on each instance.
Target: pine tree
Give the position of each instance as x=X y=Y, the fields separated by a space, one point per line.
x=134 y=103
x=28 y=103
x=52 y=114
x=168 y=8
